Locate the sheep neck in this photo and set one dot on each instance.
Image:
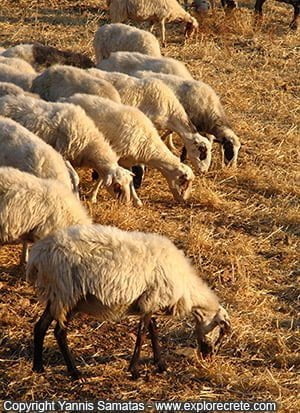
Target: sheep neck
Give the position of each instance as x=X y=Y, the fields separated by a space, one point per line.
x=164 y=161
x=100 y=160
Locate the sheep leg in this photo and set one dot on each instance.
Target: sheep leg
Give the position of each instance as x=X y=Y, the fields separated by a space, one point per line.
x=24 y=255
x=169 y=141
x=258 y=6
x=156 y=347
x=151 y=28
x=60 y=334
x=163 y=32
x=136 y=200
x=95 y=190
x=40 y=331
x=141 y=335
x=74 y=178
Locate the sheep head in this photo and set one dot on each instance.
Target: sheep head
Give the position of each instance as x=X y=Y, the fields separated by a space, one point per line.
x=207 y=324
x=119 y=183
x=199 y=152
x=192 y=27
x=180 y=182
x=230 y=146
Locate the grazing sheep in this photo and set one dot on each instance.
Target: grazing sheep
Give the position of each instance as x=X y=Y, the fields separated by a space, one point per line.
x=121 y=37
x=130 y=62
x=31 y=207
x=295 y=3
x=204 y=109
x=18 y=64
x=162 y=107
x=41 y=56
x=161 y=11
x=135 y=140
x=63 y=81
x=21 y=149
x=110 y=274
x=12 y=75
x=74 y=135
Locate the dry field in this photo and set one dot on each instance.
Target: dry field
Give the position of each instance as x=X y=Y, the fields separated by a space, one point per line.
x=241 y=228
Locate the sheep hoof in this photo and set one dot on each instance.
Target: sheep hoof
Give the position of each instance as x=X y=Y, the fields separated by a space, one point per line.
x=76 y=375
x=161 y=367
x=93 y=200
x=38 y=369
x=137 y=203
x=135 y=374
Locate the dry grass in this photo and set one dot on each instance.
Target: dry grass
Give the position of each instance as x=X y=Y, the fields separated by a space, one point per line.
x=241 y=228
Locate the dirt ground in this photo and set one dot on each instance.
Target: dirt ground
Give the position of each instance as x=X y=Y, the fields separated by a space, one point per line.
x=241 y=227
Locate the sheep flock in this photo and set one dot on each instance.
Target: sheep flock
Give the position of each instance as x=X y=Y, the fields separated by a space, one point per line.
x=134 y=203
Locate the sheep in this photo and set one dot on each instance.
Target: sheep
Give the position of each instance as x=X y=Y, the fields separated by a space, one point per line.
x=63 y=81
x=18 y=64
x=160 y=104
x=12 y=75
x=74 y=135
x=41 y=56
x=295 y=3
x=110 y=274
x=121 y=37
x=32 y=207
x=205 y=110
x=135 y=140
x=162 y=11
x=130 y=62
x=21 y=149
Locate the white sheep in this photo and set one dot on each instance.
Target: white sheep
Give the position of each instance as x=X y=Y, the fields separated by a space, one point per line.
x=21 y=149
x=162 y=107
x=204 y=109
x=63 y=81
x=73 y=134
x=18 y=64
x=12 y=75
x=121 y=37
x=111 y=274
x=135 y=140
x=161 y=11
x=130 y=62
x=31 y=207
x=41 y=56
